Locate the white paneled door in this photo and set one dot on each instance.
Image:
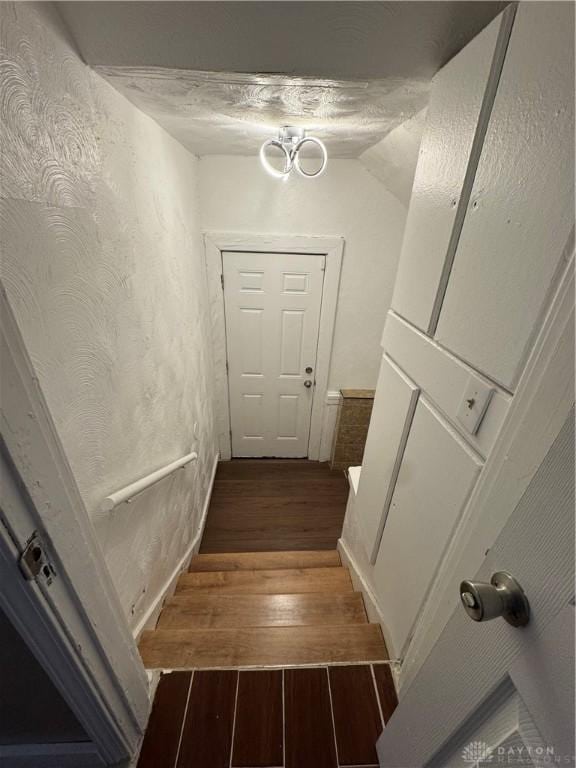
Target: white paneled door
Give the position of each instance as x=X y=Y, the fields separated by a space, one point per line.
x=272 y=306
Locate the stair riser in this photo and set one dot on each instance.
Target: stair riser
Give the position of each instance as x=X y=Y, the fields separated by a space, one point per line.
x=256 y=561
x=290 y=581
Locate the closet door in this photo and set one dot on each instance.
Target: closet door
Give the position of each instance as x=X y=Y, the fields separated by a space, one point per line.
x=394 y=404
x=436 y=477
x=521 y=210
x=451 y=123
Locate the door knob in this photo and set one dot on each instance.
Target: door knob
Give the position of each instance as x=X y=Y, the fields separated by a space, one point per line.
x=502 y=597
x=307 y=383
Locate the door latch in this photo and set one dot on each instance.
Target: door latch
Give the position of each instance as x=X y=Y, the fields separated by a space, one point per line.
x=35 y=563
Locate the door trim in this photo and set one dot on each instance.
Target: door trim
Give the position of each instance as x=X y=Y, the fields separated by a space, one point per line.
x=73 y=755
x=75 y=626
x=330 y=247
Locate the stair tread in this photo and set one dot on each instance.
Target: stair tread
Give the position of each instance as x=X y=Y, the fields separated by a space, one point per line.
x=213 y=610
x=279 y=581
x=255 y=561
x=262 y=646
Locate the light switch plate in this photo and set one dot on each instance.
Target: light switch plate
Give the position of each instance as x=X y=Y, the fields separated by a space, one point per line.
x=475 y=400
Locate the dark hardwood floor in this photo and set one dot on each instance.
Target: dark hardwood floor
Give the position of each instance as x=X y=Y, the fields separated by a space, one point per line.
x=297 y=718
x=270 y=505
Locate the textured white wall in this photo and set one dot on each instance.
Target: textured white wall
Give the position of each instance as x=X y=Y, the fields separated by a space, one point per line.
x=237 y=195
x=103 y=264
x=393 y=160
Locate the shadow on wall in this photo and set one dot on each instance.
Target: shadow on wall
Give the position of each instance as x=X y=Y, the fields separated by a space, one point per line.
x=393 y=160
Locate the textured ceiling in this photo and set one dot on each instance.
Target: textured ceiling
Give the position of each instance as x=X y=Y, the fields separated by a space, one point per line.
x=340 y=40
x=218 y=113
x=221 y=76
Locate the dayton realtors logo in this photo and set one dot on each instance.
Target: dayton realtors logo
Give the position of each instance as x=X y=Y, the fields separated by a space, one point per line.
x=477 y=752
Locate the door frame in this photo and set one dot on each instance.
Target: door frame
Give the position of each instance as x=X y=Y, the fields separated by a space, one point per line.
x=74 y=623
x=215 y=243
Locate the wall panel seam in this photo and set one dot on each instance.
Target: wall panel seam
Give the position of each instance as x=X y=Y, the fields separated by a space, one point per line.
x=489 y=97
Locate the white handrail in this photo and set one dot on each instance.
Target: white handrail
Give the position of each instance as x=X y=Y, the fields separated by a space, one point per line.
x=128 y=493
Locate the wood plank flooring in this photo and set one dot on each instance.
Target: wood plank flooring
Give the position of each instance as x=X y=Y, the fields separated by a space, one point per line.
x=289 y=581
x=357 y=728
x=230 y=611
x=269 y=505
x=262 y=646
x=386 y=690
x=259 y=727
x=242 y=606
x=209 y=722
x=294 y=718
x=268 y=591
x=263 y=617
x=246 y=561
x=309 y=733
x=165 y=724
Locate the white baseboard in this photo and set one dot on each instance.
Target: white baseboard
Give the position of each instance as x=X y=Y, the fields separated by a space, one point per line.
x=198 y=538
x=370 y=600
x=150 y=617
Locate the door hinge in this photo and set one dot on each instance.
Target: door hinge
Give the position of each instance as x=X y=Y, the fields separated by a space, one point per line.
x=222 y=280
x=226 y=366
x=35 y=563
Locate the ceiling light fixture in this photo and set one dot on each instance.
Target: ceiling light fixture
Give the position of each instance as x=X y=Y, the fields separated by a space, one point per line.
x=290 y=141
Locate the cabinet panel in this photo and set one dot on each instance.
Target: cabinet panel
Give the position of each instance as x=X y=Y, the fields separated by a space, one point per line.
x=394 y=405
x=522 y=204
x=453 y=112
x=436 y=477
x=443 y=378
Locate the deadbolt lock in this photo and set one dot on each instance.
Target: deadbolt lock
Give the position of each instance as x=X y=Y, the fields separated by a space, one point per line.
x=309 y=369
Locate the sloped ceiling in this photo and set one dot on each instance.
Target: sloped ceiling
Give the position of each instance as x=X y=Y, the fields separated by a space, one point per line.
x=222 y=76
x=226 y=113
x=393 y=159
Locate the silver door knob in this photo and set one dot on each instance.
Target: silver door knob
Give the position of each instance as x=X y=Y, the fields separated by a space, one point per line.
x=502 y=597
x=307 y=383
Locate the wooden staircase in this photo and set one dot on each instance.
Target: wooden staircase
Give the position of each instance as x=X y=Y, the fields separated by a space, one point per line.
x=263 y=609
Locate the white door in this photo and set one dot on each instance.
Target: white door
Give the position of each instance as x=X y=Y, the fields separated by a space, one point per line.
x=70 y=617
x=272 y=306
x=490 y=693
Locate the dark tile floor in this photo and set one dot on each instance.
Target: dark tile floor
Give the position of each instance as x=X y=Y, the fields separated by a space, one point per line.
x=271 y=505
x=322 y=717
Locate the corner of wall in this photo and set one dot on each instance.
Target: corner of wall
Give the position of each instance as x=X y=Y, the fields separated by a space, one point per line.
x=354 y=557
x=392 y=161
x=150 y=618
